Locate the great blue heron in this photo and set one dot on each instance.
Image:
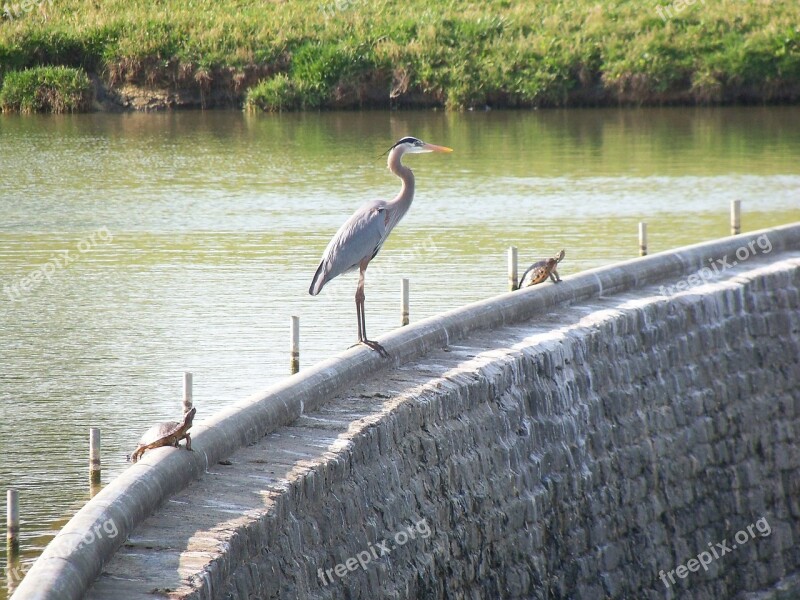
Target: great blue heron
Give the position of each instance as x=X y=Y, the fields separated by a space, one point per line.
x=360 y=237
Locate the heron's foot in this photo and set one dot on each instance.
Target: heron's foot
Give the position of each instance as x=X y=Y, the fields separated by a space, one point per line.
x=375 y=346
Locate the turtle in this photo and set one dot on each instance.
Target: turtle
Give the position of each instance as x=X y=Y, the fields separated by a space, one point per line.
x=539 y=271
x=168 y=433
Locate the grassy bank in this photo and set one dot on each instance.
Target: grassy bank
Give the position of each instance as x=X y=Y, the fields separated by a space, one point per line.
x=349 y=53
x=46 y=89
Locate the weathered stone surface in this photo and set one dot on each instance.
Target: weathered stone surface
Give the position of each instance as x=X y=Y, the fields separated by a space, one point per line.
x=580 y=460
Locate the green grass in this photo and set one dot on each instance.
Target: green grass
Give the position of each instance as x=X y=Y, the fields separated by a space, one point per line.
x=291 y=54
x=273 y=95
x=46 y=89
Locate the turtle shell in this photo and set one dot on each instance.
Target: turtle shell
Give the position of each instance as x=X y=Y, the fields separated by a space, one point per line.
x=159 y=431
x=536 y=273
x=541 y=270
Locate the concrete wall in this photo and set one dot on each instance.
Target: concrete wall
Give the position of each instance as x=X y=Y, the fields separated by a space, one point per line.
x=578 y=462
x=585 y=463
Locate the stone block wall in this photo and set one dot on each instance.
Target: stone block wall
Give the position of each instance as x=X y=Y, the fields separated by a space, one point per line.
x=620 y=453
x=591 y=439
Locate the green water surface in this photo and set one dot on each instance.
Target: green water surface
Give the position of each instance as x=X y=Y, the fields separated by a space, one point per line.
x=185 y=241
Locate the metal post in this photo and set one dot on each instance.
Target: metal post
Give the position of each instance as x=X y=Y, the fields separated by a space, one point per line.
x=404 y=293
x=295 y=347
x=736 y=217
x=513 y=281
x=188 y=394
x=642 y=239
x=94 y=456
x=12 y=521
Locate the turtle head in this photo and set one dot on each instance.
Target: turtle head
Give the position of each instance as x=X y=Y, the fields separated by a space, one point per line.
x=189 y=417
x=559 y=257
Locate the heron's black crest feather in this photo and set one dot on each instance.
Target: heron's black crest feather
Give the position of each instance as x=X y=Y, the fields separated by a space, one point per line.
x=406 y=140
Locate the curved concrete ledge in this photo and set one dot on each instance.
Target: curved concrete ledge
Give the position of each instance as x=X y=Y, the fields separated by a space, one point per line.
x=75 y=557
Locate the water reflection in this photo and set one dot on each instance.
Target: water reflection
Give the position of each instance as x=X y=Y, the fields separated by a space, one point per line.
x=14 y=570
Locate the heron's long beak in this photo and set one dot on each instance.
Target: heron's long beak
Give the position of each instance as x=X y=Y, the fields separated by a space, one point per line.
x=435 y=148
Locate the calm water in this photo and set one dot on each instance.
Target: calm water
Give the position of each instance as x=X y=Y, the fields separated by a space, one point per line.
x=175 y=242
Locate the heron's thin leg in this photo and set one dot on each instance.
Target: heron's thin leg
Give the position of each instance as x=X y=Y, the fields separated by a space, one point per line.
x=362 y=330
x=359 y=311
x=362 y=319
x=363 y=323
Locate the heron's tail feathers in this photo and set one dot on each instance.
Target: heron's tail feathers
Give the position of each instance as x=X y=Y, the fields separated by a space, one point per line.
x=318 y=281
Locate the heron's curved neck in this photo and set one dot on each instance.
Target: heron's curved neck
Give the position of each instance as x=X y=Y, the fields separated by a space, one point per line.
x=402 y=202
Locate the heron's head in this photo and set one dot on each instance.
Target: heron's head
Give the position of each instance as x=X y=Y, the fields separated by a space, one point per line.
x=412 y=145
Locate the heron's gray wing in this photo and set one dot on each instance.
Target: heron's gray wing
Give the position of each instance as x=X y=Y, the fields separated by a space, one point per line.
x=359 y=238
